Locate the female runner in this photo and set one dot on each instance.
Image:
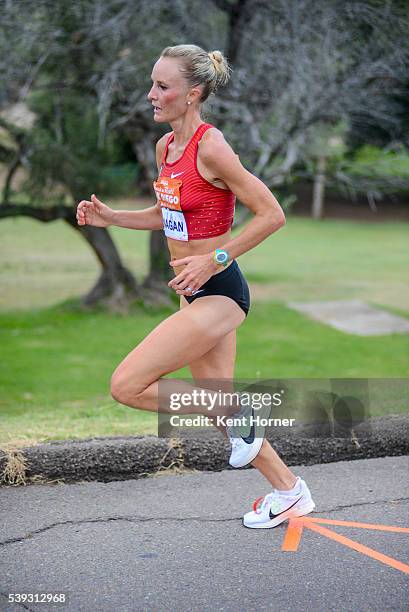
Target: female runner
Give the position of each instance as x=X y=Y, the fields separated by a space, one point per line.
x=199 y=176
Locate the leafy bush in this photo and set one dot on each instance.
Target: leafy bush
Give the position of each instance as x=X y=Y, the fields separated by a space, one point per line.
x=370 y=160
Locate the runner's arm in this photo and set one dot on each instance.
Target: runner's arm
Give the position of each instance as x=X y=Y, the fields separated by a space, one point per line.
x=148 y=218
x=269 y=217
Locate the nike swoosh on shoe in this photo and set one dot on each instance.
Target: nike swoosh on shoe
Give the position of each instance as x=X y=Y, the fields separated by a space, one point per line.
x=273 y=516
x=250 y=438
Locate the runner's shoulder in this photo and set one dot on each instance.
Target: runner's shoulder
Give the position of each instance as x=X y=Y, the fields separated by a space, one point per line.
x=212 y=135
x=213 y=143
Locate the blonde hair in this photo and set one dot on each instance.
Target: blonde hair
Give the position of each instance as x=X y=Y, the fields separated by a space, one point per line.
x=201 y=68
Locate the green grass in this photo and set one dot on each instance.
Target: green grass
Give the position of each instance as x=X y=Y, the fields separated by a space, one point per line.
x=46 y=263
x=57 y=362
x=332 y=259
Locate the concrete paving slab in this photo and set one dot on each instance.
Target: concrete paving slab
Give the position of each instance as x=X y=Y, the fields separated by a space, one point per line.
x=353 y=317
x=177 y=543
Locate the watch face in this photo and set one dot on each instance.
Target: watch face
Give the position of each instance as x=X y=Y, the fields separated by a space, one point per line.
x=221 y=257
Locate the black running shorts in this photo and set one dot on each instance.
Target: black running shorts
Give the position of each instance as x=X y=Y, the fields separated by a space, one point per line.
x=230 y=282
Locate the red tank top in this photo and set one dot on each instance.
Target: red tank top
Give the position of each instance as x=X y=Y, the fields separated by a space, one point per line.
x=192 y=208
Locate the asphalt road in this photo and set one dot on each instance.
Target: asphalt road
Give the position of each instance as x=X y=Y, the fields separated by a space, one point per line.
x=176 y=542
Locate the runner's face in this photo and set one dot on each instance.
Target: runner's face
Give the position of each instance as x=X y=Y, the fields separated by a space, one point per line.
x=169 y=91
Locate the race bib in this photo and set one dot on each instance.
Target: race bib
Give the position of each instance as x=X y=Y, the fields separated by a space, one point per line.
x=174 y=224
x=168 y=194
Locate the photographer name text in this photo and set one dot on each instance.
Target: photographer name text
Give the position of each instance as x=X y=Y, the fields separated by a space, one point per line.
x=221 y=420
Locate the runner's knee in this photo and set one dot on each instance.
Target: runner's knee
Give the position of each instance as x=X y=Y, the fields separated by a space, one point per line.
x=122 y=389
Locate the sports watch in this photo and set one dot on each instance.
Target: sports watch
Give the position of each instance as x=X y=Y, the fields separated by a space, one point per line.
x=221 y=257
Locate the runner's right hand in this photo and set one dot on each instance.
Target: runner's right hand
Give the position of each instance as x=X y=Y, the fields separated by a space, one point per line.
x=94 y=212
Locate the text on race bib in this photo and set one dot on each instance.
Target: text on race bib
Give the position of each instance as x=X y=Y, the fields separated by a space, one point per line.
x=168 y=194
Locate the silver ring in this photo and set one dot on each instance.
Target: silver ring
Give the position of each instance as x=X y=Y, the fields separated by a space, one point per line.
x=188 y=288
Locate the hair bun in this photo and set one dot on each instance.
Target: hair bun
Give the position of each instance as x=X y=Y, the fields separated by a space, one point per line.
x=216 y=57
x=221 y=67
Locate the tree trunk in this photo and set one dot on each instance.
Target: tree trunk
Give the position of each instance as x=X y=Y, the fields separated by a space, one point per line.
x=116 y=286
x=318 y=198
x=159 y=269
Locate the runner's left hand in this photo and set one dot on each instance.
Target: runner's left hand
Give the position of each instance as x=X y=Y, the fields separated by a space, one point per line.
x=198 y=269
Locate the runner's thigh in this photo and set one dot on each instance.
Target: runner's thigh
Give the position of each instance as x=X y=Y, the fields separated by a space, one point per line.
x=178 y=340
x=219 y=362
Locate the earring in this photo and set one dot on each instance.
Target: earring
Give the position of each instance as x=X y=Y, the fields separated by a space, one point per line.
x=189 y=103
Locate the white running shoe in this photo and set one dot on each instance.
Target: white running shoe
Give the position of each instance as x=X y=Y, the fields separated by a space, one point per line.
x=275 y=508
x=246 y=448
x=243 y=450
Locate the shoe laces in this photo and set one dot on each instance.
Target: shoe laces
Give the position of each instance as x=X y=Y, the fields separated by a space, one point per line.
x=272 y=499
x=261 y=502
